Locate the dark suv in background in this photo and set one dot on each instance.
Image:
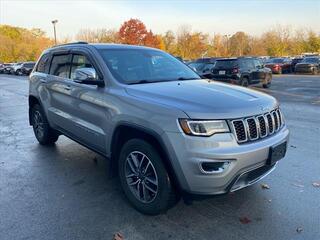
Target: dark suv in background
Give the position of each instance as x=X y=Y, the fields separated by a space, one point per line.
x=243 y=71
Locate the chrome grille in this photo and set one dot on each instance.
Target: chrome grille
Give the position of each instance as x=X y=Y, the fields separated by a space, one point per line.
x=253 y=128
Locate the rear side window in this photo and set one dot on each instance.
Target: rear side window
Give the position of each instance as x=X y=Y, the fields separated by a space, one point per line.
x=247 y=63
x=60 y=65
x=43 y=64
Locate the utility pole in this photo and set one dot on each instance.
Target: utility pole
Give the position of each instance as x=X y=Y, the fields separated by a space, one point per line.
x=54 y=30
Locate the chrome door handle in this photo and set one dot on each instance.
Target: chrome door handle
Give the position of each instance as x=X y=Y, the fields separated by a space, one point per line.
x=67 y=88
x=43 y=80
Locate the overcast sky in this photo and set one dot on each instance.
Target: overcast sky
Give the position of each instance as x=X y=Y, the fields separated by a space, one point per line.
x=225 y=17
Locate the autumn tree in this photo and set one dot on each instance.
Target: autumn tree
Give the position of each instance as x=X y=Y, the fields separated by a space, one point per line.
x=239 y=44
x=133 y=32
x=20 y=44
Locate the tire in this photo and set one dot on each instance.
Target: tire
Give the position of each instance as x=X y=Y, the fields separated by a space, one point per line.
x=314 y=71
x=18 y=72
x=42 y=131
x=244 y=82
x=151 y=192
x=267 y=81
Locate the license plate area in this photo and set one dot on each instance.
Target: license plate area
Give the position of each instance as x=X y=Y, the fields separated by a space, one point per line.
x=276 y=153
x=222 y=72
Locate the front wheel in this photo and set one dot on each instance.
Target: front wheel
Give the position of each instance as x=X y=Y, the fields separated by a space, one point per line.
x=267 y=81
x=43 y=132
x=144 y=178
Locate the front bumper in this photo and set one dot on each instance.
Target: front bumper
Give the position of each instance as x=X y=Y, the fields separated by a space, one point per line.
x=244 y=165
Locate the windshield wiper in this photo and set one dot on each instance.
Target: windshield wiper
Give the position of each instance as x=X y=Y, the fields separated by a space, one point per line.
x=141 y=81
x=185 y=78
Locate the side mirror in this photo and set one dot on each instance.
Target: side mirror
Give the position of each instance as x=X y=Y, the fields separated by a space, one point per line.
x=87 y=76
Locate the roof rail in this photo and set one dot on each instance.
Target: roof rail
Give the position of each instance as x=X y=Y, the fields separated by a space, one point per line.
x=72 y=43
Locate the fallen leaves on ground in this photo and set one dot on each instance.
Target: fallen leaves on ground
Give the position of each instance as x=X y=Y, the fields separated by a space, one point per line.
x=299 y=229
x=118 y=236
x=265 y=186
x=316 y=184
x=244 y=220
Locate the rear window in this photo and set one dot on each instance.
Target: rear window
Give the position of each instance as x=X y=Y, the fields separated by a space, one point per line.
x=276 y=60
x=226 y=64
x=310 y=60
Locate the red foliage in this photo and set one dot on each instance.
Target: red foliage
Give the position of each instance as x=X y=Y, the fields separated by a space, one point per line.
x=134 y=32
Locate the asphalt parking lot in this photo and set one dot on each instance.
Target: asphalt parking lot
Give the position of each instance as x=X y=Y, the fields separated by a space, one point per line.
x=64 y=191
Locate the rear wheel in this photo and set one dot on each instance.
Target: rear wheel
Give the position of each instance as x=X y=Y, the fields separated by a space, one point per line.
x=144 y=178
x=43 y=132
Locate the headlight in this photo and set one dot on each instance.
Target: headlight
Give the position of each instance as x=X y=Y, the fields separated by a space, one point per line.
x=203 y=127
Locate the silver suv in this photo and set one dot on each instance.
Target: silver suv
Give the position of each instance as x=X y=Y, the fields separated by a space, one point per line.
x=168 y=132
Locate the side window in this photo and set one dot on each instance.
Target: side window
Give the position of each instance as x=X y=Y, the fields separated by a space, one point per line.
x=79 y=61
x=257 y=64
x=60 y=65
x=43 y=64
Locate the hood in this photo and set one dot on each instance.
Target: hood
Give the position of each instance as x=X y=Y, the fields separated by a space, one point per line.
x=205 y=99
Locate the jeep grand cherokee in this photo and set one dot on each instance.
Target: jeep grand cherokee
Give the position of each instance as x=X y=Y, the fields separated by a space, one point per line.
x=168 y=131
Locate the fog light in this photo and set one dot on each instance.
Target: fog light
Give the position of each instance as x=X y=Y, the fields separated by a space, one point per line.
x=214 y=167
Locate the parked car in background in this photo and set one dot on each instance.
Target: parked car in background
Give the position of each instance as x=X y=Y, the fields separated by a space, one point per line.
x=308 y=65
x=203 y=66
x=279 y=65
x=7 y=68
x=26 y=68
x=294 y=62
x=243 y=71
x=15 y=67
x=1 y=67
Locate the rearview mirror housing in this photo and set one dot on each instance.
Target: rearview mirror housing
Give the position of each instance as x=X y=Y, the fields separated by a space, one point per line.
x=87 y=76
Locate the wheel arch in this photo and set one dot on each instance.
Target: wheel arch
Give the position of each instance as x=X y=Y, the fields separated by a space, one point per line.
x=126 y=131
x=32 y=100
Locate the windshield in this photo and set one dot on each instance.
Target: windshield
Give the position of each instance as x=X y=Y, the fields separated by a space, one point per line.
x=197 y=66
x=131 y=66
x=276 y=60
x=310 y=60
x=226 y=64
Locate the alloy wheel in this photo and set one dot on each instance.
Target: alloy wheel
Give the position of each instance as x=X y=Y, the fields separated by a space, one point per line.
x=38 y=124
x=141 y=177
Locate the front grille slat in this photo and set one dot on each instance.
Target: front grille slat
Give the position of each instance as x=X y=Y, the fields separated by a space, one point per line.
x=240 y=130
x=253 y=128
